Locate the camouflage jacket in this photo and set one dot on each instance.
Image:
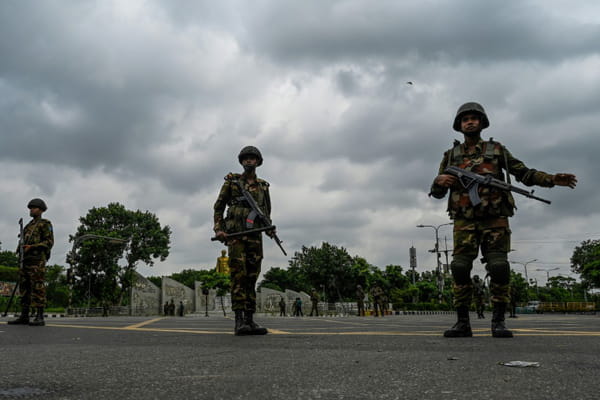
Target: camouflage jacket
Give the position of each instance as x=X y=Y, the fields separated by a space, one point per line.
x=231 y=197
x=488 y=157
x=39 y=235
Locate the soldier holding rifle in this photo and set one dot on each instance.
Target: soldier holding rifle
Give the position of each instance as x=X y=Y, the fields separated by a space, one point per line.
x=248 y=204
x=481 y=215
x=34 y=250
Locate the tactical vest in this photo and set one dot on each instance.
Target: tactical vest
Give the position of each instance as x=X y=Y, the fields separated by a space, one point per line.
x=488 y=161
x=238 y=208
x=33 y=233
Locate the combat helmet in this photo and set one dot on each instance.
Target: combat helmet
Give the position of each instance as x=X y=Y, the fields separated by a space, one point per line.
x=39 y=203
x=470 y=107
x=251 y=150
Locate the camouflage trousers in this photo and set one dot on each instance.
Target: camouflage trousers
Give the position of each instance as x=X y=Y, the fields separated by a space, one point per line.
x=32 y=284
x=492 y=236
x=245 y=257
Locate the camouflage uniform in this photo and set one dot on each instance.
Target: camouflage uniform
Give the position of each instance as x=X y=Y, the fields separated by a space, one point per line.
x=39 y=235
x=314 y=299
x=360 y=301
x=479 y=291
x=245 y=253
x=377 y=293
x=486 y=225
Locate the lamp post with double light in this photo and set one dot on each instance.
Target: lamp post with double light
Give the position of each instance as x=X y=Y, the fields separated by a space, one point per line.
x=440 y=275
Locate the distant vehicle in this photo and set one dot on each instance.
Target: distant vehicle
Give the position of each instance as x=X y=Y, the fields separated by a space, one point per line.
x=533 y=306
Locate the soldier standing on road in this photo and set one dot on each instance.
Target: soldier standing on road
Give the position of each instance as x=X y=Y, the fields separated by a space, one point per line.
x=314 y=299
x=479 y=292
x=38 y=239
x=360 y=300
x=245 y=252
x=377 y=293
x=282 y=307
x=483 y=226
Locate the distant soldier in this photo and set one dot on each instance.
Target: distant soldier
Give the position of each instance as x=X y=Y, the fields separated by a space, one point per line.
x=514 y=297
x=245 y=252
x=479 y=294
x=181 y=309
x=484 y=225
x=38 y=239
x=377 y=294
x=282 y=307
x=166 y=308
x=223 y=263
x=360 y=300
x=172 y=308
x=314 y=299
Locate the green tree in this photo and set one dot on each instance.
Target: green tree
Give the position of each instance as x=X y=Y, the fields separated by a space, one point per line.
x=327 y=265
x=586 y=261
x=57 y=290
x=9 y=259
x=97 y=271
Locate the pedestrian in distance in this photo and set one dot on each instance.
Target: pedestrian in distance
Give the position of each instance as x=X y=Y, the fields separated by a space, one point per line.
x=480 y=212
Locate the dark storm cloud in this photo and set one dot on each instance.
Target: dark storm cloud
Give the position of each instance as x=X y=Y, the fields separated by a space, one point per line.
x=451 y=31
x=149 y=103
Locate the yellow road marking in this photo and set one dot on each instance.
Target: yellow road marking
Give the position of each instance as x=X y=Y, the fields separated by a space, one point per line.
x=478 y=332
x=144 y=323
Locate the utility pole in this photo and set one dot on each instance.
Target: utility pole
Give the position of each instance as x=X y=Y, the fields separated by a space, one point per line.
x=440 y=276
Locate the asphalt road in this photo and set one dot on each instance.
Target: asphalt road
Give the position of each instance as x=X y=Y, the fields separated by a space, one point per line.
x=396 y=357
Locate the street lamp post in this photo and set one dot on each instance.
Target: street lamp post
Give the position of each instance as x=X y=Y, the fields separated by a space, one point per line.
x=524 y=266
x=71 y=261
x=437 y=251
x=547 y=270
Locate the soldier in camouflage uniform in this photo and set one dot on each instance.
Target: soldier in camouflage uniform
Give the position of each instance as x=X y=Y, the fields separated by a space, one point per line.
x=38 y=239
x=245 y=252
x=314 y=299
x=484 y=226
x=479 y=292
x=360 y=300
x=377 y=293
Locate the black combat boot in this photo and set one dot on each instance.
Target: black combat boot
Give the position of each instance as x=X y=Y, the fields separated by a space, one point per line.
x=241 y=328
x=498 y=328
x=23 y=319
x=39 y=318
x=462 y=328
x=254 y=327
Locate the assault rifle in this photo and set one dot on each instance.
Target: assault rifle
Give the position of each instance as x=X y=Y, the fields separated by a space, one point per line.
x=255 y=214
x=471 y=181
x=21 y=254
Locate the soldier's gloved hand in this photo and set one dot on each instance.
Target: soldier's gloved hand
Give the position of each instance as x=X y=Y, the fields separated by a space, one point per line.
x=271 y=233
x=221 y=236
x=445 y=180
x=569 y=180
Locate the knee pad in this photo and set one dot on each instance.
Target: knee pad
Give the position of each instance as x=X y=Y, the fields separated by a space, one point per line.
x=461 y=269
x=498 y=268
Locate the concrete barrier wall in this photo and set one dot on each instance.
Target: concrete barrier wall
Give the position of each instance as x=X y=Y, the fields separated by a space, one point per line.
x=173 y=290
x=145 y=296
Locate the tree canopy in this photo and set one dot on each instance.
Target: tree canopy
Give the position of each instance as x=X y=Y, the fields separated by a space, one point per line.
x=138 y=236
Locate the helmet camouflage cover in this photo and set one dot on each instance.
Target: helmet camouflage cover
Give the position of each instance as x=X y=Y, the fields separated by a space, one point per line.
x=250 y=150
x=471 y=107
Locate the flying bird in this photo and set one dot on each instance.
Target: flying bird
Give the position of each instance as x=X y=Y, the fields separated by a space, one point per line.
x=409 y=83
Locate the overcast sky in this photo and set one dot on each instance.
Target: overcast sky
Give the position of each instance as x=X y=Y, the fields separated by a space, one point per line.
x=147 y=103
